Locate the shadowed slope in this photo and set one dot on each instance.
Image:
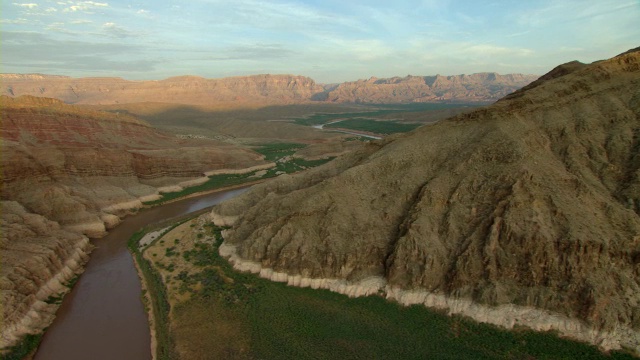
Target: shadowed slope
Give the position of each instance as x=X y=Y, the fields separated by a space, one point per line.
x=69 y=174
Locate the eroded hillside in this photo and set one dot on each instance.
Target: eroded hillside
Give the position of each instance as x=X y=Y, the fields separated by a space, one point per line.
x=522 y=213
x=69 y=174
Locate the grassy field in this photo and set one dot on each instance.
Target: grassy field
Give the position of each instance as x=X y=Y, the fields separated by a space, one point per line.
x=237 y=315
x=373 y=126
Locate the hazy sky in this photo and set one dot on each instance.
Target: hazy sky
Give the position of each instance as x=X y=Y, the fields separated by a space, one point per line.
x=328 y=40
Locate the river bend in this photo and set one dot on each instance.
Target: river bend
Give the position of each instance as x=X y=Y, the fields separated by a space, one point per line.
x=103 y=316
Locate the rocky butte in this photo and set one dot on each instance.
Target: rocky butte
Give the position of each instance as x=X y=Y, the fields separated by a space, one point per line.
x=261 y=90
x=526 y=212
x=69 y=174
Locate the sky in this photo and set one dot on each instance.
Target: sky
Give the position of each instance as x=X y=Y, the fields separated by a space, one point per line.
x=328 y=40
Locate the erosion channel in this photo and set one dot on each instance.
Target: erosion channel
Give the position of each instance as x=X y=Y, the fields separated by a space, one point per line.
x=103 y=317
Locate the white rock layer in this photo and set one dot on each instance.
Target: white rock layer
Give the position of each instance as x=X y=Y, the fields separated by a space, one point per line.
x=507 y=316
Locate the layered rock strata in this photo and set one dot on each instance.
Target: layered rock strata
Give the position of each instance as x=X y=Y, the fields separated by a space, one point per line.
x=525 y=210
x=261 y=90
x=69 y=174
x=481 y=87
x=192 y=90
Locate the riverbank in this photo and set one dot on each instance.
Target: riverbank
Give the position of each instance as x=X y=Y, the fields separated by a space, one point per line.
x=206 y=192
x=245 y=316
x=110 y=293
x=278 y=153
x=508 y=316
x=24 y=335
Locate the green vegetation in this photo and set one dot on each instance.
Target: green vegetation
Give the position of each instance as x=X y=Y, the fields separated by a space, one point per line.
x=358 y=138
x=69 y=284
x=277 y=151
x=214 y=182
x=280 y=153
x=273 y=321
x=28 y=344
x=374 y=111
x=158 y=294
x=170 y=251
x=374 y=126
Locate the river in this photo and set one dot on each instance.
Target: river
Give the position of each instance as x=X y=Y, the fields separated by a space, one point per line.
x=103 y=317
x=321 y=127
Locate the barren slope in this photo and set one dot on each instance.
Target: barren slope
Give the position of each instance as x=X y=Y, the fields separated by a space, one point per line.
x=533 y=201
x=69 y=173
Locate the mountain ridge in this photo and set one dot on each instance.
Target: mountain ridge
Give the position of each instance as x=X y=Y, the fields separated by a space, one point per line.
x=265 y=89
x=532 y=203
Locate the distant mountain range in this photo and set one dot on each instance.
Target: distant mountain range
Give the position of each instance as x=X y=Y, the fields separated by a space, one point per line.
x=264 y=89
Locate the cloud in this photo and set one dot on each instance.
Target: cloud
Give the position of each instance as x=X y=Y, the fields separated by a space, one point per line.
x=14 y=21
x=41 y=52
x=28 y=6
x=488 y=50
x=291 y=17
x=114 y=30
x=520 y=33
x=258 y=52
x=362 y=49
x=570 y=11
x=55 y=26
x=83 y=6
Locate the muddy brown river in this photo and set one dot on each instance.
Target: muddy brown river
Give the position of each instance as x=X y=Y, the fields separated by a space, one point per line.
x=103 y=317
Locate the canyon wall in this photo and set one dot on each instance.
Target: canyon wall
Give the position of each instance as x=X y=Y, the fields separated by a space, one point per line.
x=191 y=90
x=262 y=90
x=530 y=203
x=481 y=87
x=69 y=174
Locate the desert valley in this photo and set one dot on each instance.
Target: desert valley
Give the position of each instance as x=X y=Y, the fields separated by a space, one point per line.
x=270 y=216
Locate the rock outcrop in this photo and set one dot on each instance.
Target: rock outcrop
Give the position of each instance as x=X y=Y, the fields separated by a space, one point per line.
x=69 y=174
x=261 y=90
x=530 y=205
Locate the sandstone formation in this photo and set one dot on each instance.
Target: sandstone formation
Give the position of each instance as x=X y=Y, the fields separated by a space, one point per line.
x=526 y=212
x=261 y=90
x=69 y=174
x=482 y=87
x=191 y=90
